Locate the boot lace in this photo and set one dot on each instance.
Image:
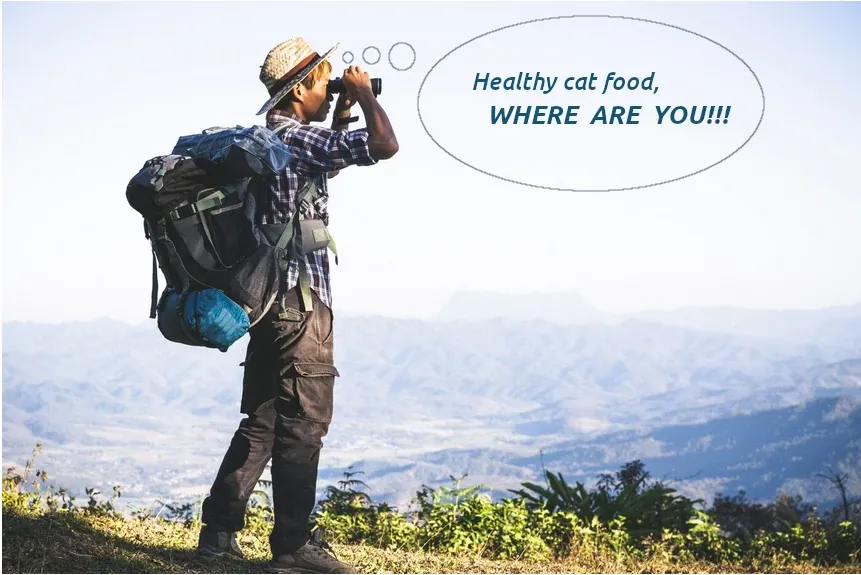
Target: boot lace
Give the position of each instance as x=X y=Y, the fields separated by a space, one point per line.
x=321 y=547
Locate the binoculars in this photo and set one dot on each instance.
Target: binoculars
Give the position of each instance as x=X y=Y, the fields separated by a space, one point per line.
x=336 y=86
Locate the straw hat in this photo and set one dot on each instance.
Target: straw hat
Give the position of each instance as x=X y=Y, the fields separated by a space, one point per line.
x=286 y=65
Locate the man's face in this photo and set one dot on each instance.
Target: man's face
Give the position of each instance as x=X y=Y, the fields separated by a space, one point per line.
x=318 y=101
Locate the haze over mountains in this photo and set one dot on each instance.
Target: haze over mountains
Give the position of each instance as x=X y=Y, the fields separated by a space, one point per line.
x=571 y=308
x=714 y=398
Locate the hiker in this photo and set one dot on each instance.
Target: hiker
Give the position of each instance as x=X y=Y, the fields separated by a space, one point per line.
x=289 y=367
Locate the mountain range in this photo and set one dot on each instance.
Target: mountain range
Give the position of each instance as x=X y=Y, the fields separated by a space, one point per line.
x=709 y=399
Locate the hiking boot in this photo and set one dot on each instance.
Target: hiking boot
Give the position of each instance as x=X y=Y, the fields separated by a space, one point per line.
x=316 y=556
x=218 y=544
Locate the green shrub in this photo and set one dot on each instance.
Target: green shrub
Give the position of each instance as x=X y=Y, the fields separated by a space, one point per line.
x=624 y=521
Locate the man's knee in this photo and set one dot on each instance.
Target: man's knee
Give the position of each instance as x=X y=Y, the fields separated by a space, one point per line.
x=260 y=422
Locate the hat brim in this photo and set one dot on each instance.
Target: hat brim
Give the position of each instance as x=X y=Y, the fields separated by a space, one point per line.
x=298 y=77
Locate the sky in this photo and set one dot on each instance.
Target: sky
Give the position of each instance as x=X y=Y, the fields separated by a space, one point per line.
x=92 y=90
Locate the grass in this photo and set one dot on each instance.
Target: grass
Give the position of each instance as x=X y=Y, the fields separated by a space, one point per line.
x=86 y=542
x=44 y=531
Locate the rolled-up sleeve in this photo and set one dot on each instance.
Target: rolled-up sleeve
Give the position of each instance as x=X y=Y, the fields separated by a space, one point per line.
x=318 y=150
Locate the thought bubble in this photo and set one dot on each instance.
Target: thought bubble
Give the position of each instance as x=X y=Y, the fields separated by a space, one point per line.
x=401 y=56
x=591 y=103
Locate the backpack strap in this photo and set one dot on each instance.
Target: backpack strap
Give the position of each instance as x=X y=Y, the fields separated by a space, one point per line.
x=154 y=296
x=292 y=237
x=209 y=202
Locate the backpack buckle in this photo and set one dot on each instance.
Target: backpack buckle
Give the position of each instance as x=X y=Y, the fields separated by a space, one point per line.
x=186 y=210
x=176 y=215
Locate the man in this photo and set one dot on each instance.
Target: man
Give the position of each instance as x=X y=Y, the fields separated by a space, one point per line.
x=289 y=368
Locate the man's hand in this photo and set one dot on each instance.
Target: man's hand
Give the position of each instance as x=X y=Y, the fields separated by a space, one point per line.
x=353 y=83
x=343 y=105
x=357 y=82
x=345 y=101
x=342 y=112
x=381 y=138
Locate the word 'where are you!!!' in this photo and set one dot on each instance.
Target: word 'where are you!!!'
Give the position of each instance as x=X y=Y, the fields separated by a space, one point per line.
x=544 y=84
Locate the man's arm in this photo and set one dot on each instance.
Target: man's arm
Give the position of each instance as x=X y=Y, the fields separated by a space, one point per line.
x=321 y=150
x=382 y=142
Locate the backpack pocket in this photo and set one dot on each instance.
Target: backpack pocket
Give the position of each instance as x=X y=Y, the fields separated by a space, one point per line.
x=254 y=281
x=228 y=230
x=215 y=229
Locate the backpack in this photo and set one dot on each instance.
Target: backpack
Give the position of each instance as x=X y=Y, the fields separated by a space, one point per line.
x=223 y=270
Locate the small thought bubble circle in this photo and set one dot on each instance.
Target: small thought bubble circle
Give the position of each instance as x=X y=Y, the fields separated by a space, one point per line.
x=365 y=55
x=406 y=62
x=344 y=57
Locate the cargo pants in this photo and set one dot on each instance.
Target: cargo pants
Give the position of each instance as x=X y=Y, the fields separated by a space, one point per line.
x=287 y=395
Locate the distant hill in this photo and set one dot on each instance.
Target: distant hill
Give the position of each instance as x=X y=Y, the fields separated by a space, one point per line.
x=570 y=308
x=815 y=326
x=764 y=453
x=417 y=400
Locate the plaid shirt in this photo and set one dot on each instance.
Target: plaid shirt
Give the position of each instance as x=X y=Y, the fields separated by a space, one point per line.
x=316 y=151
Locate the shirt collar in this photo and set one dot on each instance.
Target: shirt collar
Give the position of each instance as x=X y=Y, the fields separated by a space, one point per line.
x=275 y=117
